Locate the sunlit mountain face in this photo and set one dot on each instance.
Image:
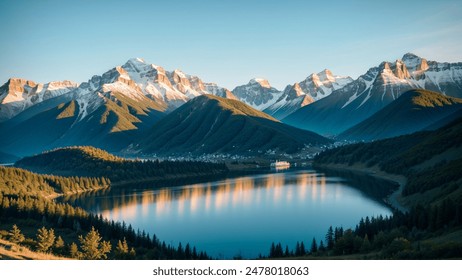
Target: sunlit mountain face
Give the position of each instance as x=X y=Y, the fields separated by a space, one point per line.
x=372 y=91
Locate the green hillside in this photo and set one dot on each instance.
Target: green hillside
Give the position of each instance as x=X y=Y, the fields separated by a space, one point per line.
x=16 y=180
x=115 y=124
x=94 y=162
x=209 y=124
x=34 y=134
x=413 y=111
x=431 y=161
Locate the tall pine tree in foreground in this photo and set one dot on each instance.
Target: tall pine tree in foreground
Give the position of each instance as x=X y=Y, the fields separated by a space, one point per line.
x=45 y=239
x=92 y=246
x=15 y=235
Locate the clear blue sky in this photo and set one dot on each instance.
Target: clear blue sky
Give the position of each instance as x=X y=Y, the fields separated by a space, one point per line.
x=227 y=42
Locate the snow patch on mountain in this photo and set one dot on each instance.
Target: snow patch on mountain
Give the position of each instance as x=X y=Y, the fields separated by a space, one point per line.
x=313 y=88
x=16 y=95
x=257 y=93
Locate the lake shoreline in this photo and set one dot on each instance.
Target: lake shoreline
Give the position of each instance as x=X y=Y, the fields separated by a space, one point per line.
x=210 y=215
x=394 y=200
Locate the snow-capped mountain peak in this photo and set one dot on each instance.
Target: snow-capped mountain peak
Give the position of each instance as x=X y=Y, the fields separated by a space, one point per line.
x=315 y=87
x=257 y=93
x=322 y=77
x=139 y=60
x=411 y=60
x=262 y=82
x=378 y=87
x=323 y=83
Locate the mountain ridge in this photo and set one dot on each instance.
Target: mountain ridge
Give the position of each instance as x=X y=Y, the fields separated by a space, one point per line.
x=375 y=89
x=210 y=124
x=413 y=111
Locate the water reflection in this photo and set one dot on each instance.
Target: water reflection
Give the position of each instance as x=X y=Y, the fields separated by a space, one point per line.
x=243 y=191
x=243 y=214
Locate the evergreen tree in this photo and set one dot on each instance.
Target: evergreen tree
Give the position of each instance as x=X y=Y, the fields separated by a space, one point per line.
x=272 y=253
x=278 y=252
x=286 y=252
x=330 y=238
x=314 y=246
x=122 y=250
x=338 y=233
x=302 y=249
x=298 y=252
x=59 y=243
x=92 y=246
x=15 y=235
x=45 y=239
x=132 y=253
x=321 y=246
x=187 y=252
x=366 y=246
x=74 y=251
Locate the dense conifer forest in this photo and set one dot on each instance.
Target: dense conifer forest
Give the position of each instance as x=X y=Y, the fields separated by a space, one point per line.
x=93 y=162
x=431 y=162
x=431 y=229
x=31 y=219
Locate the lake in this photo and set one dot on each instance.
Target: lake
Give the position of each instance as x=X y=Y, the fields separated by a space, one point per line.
x=242 y=216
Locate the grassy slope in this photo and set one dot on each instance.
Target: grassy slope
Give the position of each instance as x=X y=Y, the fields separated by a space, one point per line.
x=11 y=251
x=39 y=132
x=413 y=111
x=210 y=124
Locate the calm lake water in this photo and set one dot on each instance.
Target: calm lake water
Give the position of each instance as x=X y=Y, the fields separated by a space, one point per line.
x=244 y=215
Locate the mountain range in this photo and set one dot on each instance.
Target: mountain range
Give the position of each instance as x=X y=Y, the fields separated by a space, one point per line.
x=378 y=87
x=313 y=88
x=142 y=106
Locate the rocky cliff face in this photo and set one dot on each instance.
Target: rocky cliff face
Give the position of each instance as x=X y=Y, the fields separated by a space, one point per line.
x=258 y=93
x=313 y=88
x=16 y=95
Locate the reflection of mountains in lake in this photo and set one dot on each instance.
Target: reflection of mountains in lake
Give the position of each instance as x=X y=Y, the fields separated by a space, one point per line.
x=242 y=190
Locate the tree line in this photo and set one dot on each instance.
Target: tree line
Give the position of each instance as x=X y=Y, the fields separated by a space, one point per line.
x=93 y=162
x=17 y=180
x=401 y=155
x=401 y=236
x=24 y=199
